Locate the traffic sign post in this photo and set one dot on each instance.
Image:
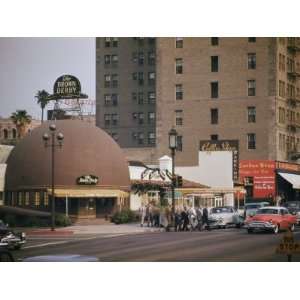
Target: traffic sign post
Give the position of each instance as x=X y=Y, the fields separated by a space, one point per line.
x=288 y=246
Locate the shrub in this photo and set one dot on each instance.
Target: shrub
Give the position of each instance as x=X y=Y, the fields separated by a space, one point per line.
x=124 y=216
x=62 y=220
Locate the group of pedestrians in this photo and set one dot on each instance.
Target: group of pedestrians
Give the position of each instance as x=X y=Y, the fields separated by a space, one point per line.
x=185 y=218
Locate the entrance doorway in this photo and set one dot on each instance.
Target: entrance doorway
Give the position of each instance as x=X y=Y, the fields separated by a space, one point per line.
x=105 y=207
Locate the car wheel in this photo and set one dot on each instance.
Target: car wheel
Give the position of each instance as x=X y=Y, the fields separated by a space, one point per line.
x=250 y=230
x=292 y=228
x=276 y=229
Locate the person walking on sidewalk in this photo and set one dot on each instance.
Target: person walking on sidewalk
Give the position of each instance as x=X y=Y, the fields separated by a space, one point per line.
x=205 y=218
x=142 y=212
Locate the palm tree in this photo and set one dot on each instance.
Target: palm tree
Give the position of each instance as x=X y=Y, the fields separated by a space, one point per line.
x=21 y=119
x=42 y=100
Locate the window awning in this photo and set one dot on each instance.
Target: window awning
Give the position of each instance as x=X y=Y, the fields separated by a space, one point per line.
x=294 y=179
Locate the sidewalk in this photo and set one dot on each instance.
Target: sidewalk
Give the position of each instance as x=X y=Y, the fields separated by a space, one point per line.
x=91 y=229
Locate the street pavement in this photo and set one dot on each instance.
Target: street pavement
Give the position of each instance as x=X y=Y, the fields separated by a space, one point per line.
x=227 y=245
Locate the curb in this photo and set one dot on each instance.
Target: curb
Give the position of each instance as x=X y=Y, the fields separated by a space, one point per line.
x=50 y=233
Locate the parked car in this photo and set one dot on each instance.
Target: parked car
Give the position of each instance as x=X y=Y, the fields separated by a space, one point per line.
x=271 y=218
x=223 y=217
x=9 y=238
x=252 y=208
x=294 y=209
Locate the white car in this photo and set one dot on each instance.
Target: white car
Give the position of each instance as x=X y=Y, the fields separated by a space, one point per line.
x=224 y=216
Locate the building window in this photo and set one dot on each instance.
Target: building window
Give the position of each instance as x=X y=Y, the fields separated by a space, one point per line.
x=107 y=59
x=281 y=89
x=178 y=66
x=281 y=62
x=178 y=117
x=37 y=199
x=251 y=39
x=179 y=143
x=251 y=61
x=134 y=57
x=214 y=86
x=251 y=141
x=178 y=92
x=114 y=78
x=115 y=119
x=290 y=91
x=5 y=134
x=214 y=41
x=107 y=42
x=107 y=119
x=141 y=58
x=141 y=138
x=115 y=136
x=179 y=42
x=151 y=78
x=114 y=59
x=141 y=98
x=141 y=118
x=27 y=202
x=115 y=99
x=214 y=116
x=107 y=99
x=151 y=138
x=46 y=199
x=151 y=117
x=141 y=78
x=151 y=58
x=214 y=63
x=151 y=97
x=107 y=80
x=251 y=114
x=115 y=42
x=134 y=116
x=214 y=137
x=251 y=87
x=134 y=96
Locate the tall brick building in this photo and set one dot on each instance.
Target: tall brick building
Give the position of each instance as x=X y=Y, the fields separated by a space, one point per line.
x=243 y=89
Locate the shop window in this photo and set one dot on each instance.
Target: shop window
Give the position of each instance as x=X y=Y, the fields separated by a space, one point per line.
x=46 y=199
x=20 y=198
x=27 y=201
x=179 y=42
x=37 y=199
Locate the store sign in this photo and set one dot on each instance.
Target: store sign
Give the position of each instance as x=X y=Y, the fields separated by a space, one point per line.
x=263 y=174
x=224 y=145
x=287 y=166
x=67 y=86
x=87 y=180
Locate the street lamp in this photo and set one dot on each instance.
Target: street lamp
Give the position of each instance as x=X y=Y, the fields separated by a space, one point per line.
x=59 y=137
x=173 y=147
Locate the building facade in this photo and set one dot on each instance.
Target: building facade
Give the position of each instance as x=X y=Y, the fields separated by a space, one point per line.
x=244 y=89
x=9 y=133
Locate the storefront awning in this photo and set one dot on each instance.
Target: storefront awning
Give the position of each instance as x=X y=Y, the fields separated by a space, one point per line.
x=294 y=179
x=89 y=193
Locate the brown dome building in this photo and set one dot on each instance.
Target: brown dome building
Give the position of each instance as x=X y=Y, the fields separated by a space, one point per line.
x=91 y=172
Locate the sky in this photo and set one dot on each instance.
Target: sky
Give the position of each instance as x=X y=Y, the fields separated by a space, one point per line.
x=31 y=64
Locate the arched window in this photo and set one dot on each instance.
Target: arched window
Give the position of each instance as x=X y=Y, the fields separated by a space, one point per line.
x=5 y=133
x=14 y=133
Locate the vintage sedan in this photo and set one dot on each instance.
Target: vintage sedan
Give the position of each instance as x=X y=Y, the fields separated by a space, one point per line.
x=271 y=218
x=223 y=217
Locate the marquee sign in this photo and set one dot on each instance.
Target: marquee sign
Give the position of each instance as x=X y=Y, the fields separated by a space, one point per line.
x=67 y=87
x=87 y=180
x=224 y=145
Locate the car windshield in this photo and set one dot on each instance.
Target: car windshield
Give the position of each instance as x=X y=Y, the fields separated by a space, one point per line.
x=267 y=211
x=220 y=210
x=292 y=205
x=253 y=206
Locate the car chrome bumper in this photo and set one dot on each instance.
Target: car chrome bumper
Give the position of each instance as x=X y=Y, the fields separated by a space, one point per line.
x=260 y=225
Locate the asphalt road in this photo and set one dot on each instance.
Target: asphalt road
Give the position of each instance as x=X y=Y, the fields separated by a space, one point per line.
x=217 y=245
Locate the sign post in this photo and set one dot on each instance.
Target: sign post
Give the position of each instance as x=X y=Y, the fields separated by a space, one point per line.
x=288 y=246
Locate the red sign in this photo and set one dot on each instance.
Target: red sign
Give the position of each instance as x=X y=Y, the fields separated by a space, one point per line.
x=263 y=174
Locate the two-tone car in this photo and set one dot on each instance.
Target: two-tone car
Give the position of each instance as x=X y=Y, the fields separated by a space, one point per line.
x=222 y=217
x=294 y=209
x=271 y=218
